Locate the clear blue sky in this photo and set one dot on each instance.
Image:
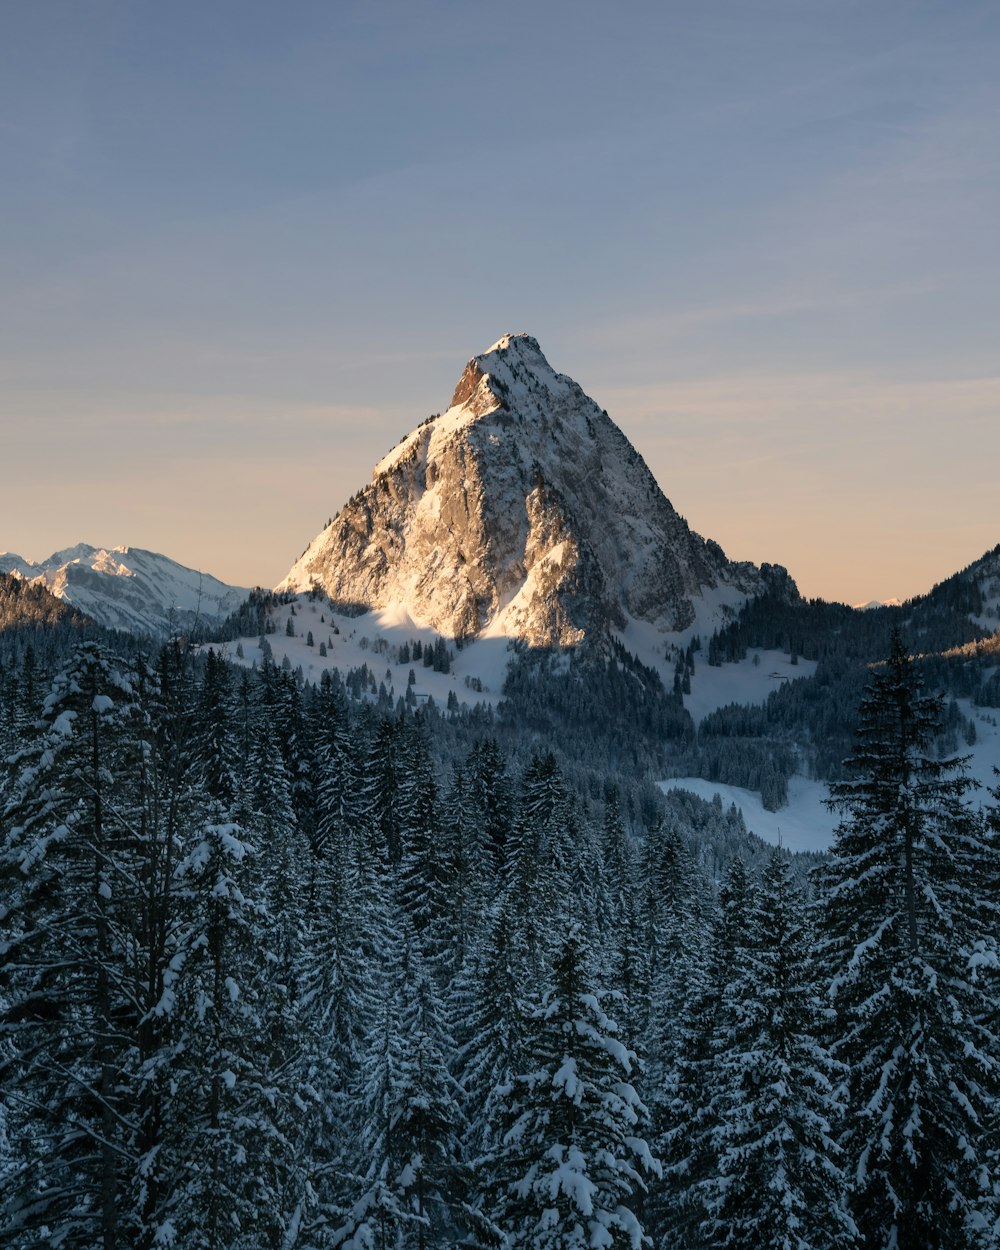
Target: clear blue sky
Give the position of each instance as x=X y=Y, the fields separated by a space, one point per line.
x=245 y=246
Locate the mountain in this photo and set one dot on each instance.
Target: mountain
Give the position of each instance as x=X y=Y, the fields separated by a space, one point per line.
x=130 y=589
x=523 y=511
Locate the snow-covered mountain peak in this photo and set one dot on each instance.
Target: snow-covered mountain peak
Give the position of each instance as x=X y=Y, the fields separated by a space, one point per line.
x=129 y=588
x=11 y=562
x=521 y=511
x=69 y=555
x=513 y=372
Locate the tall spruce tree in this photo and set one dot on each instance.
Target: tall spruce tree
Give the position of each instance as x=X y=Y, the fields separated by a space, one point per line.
x=239 y=1066
x=572 y=1163
x=776 y=1183
x=69 y=878
x=689 y=985
x=902 y=916
x=412 y=1195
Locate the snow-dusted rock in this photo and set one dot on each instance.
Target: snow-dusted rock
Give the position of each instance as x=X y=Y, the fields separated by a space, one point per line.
x=522 y=511
x=131 y=589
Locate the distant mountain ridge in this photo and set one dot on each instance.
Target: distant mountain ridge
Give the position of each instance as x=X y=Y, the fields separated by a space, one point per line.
x=130 y=588
x=522 y=511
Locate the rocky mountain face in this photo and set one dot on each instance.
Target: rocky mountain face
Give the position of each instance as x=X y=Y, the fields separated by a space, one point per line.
x=130 y=589
x=521 y=511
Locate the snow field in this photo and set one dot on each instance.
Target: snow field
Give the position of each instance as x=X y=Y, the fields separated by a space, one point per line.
x=374 y=639
x=805 y=823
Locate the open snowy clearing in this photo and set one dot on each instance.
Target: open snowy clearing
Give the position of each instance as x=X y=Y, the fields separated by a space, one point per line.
x=803 y=825
x=375 y=639
x=749 y=680
x=984 y=755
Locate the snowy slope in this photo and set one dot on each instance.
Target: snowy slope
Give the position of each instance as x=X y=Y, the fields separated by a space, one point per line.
x=806 y=824
x=11 y=563
x=522 y=512
x=742 y=682
x=374 y=639
x=130 y=589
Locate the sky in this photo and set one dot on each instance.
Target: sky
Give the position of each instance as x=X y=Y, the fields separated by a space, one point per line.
x=245 y=247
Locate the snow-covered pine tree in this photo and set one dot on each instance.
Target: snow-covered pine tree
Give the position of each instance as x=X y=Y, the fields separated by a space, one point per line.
x=68 y=869
x=380 y=785
x=469 y=875
x=985 y=958
x=537 y=858
x=699 y=954
x=241 y=1096
x=777 y=1183
x=266 y=811
x=491 y=996
x=345 y=925
x=337 y=780
x=492 y=798
x=422 y=876
x=216 y=759
x=901 y=917
x=621 y=919
x=413 y=1196
x=572 y=1162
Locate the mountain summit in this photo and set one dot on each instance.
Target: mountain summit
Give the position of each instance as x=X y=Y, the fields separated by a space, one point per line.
x=522 y=511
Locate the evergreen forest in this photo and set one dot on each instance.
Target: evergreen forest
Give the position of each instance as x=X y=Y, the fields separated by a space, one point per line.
x=294 y=967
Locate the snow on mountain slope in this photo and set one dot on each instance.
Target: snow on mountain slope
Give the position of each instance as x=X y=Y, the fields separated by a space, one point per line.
x=130 y=589
x=524 y=512
x=11 y=563
x=803 y=824
x=476 y=674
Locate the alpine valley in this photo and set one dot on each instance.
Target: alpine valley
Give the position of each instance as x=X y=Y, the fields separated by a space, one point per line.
x=477 y=885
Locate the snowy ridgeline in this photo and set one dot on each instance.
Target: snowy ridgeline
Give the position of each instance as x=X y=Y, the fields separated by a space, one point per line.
x=268 y=979
x=131 y=589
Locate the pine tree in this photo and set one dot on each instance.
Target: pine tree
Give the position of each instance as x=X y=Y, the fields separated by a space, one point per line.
x=492 y=797
x=69 y=876
x=422 y=878
x=467 y=863
x=572 y=1160
x=622 y=922
x=412 y=1195
x=494 y=1030
x=337 y=780
x=777 y=1180
x=902 y=918
x=239 y=1066
x=215 y=749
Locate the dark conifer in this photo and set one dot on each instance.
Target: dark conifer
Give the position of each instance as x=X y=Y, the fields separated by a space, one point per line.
x=902 y=916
